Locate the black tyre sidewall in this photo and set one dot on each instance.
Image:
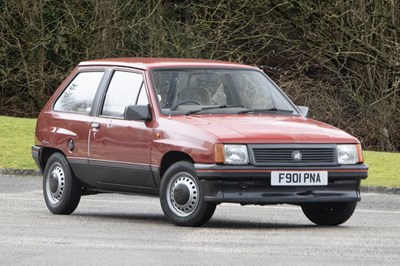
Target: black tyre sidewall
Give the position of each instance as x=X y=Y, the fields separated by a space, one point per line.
x=72 y=190
x=338 y=213
x=204 y=210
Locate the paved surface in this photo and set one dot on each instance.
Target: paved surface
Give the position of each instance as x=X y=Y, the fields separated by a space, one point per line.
x=131 y=230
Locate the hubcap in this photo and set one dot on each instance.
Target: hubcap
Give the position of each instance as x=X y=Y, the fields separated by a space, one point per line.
x=55 y=183
x=182 y=194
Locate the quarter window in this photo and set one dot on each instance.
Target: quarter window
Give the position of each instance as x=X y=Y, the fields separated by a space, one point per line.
x=124 y=90
x=79 y=95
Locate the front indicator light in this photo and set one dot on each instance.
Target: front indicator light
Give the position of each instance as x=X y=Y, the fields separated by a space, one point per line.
x=219 y=153
x=360 y=153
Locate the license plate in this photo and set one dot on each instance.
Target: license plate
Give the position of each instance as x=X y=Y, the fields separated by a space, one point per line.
x=293 y=178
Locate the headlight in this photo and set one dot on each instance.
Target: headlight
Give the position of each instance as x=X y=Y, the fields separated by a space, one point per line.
x=347 y=154
x=236 y=154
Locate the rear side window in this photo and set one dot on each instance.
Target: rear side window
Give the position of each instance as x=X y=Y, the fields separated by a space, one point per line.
x=79 y=95
x=126 y=88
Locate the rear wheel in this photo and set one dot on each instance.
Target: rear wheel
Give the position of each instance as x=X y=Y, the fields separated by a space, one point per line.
x=329 y=213
x=62 y=192
x=182 y=198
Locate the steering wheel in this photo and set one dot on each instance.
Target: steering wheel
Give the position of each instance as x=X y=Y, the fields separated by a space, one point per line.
x=173 y=108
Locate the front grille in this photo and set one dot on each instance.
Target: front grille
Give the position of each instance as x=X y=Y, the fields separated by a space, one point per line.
x=286 y=155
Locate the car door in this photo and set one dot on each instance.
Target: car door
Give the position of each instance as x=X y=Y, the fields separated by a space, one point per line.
x=119 y=150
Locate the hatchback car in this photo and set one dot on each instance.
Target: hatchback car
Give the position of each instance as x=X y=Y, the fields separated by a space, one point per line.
x=195 y=133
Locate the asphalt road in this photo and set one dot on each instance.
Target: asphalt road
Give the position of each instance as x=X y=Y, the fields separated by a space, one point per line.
x=112 y=229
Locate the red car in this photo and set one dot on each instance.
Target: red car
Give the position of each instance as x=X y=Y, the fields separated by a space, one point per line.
x=195 y=133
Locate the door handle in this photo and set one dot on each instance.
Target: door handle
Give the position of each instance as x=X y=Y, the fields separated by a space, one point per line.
x=95 y=127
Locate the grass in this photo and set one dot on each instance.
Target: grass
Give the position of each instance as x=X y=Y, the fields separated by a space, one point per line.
x=17 y=137
x=384 y=169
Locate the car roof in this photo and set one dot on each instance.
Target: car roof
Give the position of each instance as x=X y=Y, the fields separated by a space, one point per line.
x=149 y=63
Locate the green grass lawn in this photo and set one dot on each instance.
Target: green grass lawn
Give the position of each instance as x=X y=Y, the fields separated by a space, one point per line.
x=17 y=137
x=384 y=169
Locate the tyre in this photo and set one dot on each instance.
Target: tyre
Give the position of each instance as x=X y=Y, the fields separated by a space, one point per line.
x=62 y=192
x=181 y=196
x=329 y=213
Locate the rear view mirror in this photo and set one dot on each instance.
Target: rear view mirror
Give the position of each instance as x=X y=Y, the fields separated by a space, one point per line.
x=137 y=112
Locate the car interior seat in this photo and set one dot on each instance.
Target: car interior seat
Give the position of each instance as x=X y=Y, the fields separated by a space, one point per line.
x=197 y=94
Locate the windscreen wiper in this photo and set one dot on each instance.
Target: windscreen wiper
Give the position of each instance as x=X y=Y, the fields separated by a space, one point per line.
x=264 y=111
x=212 y=107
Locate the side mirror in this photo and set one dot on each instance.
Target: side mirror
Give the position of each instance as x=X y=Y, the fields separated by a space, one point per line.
x=303 y=110
x=137 y=112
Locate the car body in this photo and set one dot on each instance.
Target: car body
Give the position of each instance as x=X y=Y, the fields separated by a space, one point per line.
x=196 y=133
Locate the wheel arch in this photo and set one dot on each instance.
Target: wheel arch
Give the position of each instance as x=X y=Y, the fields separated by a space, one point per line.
x=45 y=154
x=172 y=157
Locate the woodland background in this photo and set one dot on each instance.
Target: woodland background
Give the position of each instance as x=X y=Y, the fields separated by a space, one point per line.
x=340 y=58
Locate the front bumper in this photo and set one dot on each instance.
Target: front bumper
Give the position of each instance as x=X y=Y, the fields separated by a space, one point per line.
x=252 y=185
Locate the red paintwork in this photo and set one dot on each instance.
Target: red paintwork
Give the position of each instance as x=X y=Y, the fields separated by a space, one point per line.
x=145 y=143
x=249 y=128
x=151 y=63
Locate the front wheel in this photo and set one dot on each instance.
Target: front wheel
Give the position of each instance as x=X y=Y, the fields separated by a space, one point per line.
x=181 y=196
x=329 y=213
x=62 y=192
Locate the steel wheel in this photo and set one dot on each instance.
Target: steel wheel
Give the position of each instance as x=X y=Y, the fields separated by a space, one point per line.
x=62 y=192
x=55 y=183
x=182 y=194
x=182 y=198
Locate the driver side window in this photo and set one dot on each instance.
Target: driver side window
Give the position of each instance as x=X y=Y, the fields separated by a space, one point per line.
x=125 y=88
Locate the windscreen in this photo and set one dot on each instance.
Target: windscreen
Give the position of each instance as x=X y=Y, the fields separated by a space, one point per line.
x=218 y=91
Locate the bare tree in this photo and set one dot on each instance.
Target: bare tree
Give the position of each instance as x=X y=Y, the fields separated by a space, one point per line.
x=339 y=57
